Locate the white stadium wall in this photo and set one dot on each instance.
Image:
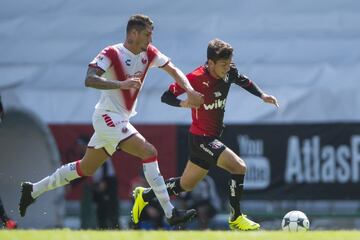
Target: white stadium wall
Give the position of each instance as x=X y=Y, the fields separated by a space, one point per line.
x=304 y=52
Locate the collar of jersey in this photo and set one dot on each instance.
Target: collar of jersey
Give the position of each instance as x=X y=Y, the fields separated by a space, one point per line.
x=127 y=51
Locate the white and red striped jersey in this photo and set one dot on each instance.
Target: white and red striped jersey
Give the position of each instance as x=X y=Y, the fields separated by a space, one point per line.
x=120 y=64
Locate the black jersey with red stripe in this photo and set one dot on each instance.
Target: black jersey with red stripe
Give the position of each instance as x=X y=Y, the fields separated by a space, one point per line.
x=207 y=120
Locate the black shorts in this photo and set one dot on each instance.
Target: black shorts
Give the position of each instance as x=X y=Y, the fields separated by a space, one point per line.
x=205 y=151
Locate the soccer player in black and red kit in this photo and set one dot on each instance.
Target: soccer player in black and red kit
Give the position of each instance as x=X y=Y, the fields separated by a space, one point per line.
x=213 y=80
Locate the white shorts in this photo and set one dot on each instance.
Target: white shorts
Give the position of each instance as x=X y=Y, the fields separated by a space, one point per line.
x=110 y=129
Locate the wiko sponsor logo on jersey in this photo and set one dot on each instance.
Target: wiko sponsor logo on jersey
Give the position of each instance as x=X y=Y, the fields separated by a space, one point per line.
x=308 y=161
x=258 y=168
x=217 y=104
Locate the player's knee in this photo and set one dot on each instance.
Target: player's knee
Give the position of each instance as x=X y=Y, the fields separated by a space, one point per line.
x=149 y=151
x=239 y=167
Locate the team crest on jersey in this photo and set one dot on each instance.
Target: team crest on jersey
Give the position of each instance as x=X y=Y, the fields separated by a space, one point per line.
x=144 y=60
x=124 y=130
x=217 y=94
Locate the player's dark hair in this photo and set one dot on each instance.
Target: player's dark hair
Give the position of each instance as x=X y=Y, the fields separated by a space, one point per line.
x=218 y=49
x=138 y=22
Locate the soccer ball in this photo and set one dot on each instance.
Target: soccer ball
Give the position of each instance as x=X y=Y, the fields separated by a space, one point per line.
x=295 y=221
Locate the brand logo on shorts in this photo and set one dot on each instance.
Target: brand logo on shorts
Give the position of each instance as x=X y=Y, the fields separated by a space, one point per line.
x=109 y=122
x=124 y=130
x=144 y=60
x=206 y=150
x=127 y=62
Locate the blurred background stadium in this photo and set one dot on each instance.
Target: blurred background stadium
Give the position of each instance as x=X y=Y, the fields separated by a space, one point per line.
x=305 y=155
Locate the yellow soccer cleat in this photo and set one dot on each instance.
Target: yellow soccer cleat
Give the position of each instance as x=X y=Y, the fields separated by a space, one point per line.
x=139 y=204
x=243 y=223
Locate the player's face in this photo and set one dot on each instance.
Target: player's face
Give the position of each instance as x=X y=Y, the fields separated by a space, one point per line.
x=220 y=67
x=144 y=38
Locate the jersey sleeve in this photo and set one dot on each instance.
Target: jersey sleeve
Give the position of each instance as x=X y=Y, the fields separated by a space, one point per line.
x=170 y=99
x=243 y=81
x=102 y=60
x=175 y=89
x=160 y=59
x=237 y=78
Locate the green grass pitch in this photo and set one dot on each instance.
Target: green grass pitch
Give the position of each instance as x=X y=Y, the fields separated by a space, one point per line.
x=174 y=235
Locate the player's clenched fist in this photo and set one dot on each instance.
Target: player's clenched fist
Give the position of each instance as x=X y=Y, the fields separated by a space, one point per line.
x=131 y=83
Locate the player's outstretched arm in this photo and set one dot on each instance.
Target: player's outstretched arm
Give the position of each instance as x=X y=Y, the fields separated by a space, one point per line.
x=250 y=86
x=195 y=98
x=94 y=80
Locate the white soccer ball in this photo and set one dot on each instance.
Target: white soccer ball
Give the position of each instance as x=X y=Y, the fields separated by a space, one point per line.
x=295 y=221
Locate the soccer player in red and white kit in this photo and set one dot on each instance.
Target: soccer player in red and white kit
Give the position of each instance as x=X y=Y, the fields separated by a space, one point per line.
x=206 y=150
x=119 y=72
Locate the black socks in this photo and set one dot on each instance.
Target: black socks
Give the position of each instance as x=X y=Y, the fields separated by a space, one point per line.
x=236 y=187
